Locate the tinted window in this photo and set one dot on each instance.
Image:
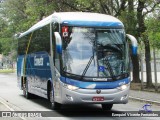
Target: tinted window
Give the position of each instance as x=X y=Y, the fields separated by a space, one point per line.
x=22 y=45
x=40 y=41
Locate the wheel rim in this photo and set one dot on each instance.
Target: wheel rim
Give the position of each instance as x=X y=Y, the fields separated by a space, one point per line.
x=24 y=90
x=51 y=96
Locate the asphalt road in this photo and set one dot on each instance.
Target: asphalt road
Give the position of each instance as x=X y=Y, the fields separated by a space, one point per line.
x=12 y=97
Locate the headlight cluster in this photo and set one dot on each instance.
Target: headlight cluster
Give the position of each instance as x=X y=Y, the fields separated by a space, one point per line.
x=70 y=87
x=123 y=87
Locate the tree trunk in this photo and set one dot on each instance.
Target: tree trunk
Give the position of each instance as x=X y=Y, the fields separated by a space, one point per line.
x=148 y=64
x=135 y=64
x=131 y=26
x=155 y=69
x=141 y=29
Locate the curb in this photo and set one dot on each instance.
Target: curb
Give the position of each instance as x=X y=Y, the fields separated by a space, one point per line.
x=145 y=100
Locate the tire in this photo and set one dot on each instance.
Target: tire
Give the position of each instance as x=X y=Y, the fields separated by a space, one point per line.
x=25 y=90
x=54 y=105
x=107 y=106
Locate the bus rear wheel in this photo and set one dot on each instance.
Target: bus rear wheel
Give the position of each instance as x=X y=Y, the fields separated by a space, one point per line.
x=54 y=105
x=25 y=90
x=107 y=106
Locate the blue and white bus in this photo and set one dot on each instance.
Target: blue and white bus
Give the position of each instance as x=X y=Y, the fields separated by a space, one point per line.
x=76 y=58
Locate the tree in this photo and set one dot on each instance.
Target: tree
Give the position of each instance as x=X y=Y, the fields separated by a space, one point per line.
x=0 y=48
x=153 y=28
x=149 y=6
x=13 y=17
x=37 y=10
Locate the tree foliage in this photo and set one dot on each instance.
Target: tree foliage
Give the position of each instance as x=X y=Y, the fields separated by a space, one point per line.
x=153 y=30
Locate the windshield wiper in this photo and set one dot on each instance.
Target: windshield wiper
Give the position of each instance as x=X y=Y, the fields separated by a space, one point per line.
x=87 y=66
x=109 y=67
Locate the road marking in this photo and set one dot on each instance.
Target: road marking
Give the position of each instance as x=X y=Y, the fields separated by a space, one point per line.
x=5 y=104
x=3 y=101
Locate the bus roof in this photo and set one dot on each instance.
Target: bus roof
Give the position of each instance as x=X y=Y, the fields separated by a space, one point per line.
x=84 y=19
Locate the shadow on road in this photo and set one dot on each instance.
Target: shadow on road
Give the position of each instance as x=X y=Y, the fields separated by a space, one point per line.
x=88 y=110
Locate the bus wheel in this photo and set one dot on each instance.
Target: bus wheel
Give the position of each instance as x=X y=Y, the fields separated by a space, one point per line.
x=107 y=106
x=25 y=90
x=54 y=105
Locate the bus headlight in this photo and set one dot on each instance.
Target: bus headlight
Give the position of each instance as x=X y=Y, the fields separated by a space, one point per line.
x=123 y=87
x=70 y=87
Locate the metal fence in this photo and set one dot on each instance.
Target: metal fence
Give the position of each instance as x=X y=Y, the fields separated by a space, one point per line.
x=155 y=74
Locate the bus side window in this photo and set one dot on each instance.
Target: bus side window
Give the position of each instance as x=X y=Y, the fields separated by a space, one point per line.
x=55 y=27
x=22 y=45
x=40 y=40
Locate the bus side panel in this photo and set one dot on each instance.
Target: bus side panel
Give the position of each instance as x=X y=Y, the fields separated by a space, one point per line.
x=38 y=73
x=20 y=64
x=30 y=71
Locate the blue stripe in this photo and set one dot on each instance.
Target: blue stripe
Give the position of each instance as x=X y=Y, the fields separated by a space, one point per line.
x=95 y=85
x=134 y=50
x=93 y=23
x=59 y=49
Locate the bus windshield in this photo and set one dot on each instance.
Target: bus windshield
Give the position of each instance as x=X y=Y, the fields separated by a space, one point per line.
x=93 y=52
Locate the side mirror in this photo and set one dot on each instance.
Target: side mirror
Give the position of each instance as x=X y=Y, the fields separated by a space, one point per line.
x=134 y=43
x=58 y=42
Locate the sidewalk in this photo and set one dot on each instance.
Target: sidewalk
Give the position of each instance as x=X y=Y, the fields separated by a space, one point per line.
x=145 y=96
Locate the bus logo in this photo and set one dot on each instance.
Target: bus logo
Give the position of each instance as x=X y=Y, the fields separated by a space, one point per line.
x=98 y=91
x=38 y=61
x=99 y=79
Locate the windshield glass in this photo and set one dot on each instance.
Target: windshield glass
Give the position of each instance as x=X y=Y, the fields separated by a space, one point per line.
x=90 y=52
x=111 y=52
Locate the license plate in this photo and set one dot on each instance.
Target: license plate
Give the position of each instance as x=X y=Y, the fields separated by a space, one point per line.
x=98 y=99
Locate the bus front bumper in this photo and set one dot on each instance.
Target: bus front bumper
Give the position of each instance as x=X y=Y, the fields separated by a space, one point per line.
x=86 y=96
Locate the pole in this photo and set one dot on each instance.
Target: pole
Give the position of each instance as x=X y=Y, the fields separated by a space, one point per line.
x=112 y=7
x=141 y=58
x=155 y=70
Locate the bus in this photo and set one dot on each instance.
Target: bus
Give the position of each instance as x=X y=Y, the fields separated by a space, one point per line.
x=76 y=58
